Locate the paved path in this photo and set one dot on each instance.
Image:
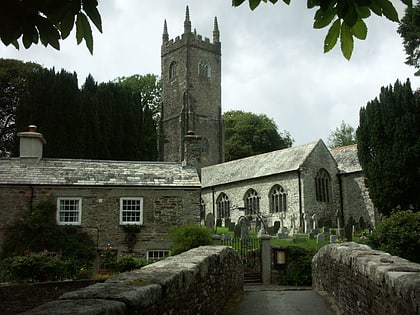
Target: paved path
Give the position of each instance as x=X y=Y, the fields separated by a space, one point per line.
x=271 y=300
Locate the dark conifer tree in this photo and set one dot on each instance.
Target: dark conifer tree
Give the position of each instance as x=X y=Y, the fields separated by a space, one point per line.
x=389 y=148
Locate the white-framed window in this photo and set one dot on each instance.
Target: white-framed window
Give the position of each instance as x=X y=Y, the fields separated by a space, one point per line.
x=157 y=254
x=223 y=206
x=252 y=202
x=131 y=210
x=69 y=210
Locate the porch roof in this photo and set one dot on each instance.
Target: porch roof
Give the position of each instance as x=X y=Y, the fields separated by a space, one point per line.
x=346 y=158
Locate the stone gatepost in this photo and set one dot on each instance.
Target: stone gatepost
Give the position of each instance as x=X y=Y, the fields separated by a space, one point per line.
x=265 y=258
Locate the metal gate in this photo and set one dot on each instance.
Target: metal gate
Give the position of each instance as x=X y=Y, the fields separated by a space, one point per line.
x=250 y=252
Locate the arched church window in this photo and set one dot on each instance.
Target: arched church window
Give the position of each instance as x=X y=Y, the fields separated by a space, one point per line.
x=223 y=206
x=204 y=69
x=252 y=202
x=323 y=186
x=278 y=199
x=172 y=70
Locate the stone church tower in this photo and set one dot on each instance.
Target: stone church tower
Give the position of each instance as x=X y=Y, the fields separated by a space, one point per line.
x=191 y=94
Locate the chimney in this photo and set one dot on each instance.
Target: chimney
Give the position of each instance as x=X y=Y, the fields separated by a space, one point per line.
x=192 y=151
x=31 y=143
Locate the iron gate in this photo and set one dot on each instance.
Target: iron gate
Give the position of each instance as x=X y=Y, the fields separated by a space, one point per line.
x=250 y=252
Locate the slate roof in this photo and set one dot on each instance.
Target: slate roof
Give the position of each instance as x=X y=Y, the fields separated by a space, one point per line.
x=96 y=173
x=346 y=158
x=260 y=165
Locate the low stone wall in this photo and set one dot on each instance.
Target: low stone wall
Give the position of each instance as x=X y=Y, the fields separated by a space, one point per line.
x=18 y=298
x=366 y=281
x=199 y=281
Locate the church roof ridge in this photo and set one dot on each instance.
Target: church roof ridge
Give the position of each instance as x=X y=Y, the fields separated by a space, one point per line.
x=265 y=164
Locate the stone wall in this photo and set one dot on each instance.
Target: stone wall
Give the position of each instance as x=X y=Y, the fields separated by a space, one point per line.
x=199 y=281
x=163 y=208
x=18 y=298
x=366 y=281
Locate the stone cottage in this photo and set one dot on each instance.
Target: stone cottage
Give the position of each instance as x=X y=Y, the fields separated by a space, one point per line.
x=102 y=197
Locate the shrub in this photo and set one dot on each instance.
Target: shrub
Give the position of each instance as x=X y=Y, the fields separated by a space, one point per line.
x=38 y=231
x=188 y=237
x=36 y=267
x=398 y=235
x=128 y=263
x=298 y=269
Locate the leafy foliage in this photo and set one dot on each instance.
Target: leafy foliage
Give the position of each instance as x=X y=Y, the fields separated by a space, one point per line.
x=409 y=30
x=343 y=136
x=38 y=232
x=35 y=267
x=389 y=148
x=129 y=262
x=299 y=266
x=346 y=18
x=190 y=236
x=398 y=235
x=13 y=82
x=248 y=134
x=48 y=21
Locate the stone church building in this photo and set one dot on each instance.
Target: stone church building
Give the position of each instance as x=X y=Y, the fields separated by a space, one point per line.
x=295 y=186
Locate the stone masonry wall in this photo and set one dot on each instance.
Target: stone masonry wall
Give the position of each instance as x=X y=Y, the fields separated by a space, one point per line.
x=163 y=208
x=366 y=281
x=199 y=281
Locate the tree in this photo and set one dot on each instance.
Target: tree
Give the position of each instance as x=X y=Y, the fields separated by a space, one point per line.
x=248 y=134
x=409 y=30
x=389 y=148
x=342 y=136
x=13 y=81
x=345 y=17
x=47 y=21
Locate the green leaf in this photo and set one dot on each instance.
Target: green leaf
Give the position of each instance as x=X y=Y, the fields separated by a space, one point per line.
x=323 y=17
x=237 y=3
x=359 y=29
x=90 y=7
x=47 y=33
x=286 y=1
x=312 y=3
x=253 y=4
x=67 y=25
x=332 y=36
x=83 y=30
x=351 y=16
x=346 y=39
x=30 y=36
x=389 y=10
x=376 y=7
x=363 y=11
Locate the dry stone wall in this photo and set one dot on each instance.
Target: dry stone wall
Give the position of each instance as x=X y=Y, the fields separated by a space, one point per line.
x=366 y=281
x=199 y=281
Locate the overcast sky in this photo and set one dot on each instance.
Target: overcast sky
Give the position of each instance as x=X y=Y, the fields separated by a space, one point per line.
x=272 y=59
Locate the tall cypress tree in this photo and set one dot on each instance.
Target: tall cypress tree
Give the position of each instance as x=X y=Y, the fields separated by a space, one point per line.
x=389 y=148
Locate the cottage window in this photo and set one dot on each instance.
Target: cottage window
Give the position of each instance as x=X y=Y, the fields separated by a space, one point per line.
x=155 y=255
x=323 y=186
x=252 y=202
x=204 y=69
x=278 y=199
x=131 y=211
x=223 y=206
x=69 y=211
x=172 y=70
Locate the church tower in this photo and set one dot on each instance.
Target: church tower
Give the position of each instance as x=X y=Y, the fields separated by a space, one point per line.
x=191 y=94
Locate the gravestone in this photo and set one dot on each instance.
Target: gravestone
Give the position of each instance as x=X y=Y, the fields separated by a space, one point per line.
x=232 y=226
x=307 y=222
x=277 y=226
x=333 y=238
x=209 y=222
x=237 y=231
x=227 y=222
x=315 y=222
x=244 y=224
x=320 y=238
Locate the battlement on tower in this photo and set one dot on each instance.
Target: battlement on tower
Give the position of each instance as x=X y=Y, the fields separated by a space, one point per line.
x=192 y=39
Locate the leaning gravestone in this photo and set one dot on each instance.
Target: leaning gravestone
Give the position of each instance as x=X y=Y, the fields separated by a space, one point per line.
x=209 y=222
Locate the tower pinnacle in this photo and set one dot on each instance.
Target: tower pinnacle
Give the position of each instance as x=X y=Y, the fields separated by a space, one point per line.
x=216 y=33
x=187 y=22
x=165 y=35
